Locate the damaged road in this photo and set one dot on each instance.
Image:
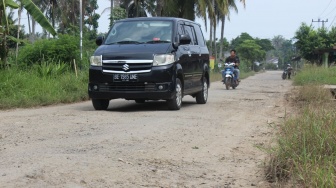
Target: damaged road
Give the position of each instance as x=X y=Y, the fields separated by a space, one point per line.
x=146 y=145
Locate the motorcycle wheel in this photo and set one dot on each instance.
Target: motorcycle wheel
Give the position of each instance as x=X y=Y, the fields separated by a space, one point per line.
x=235 y=84
x=227 y=83
x=284 y=76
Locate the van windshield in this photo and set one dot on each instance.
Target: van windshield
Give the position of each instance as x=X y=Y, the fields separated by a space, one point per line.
x=138 y=32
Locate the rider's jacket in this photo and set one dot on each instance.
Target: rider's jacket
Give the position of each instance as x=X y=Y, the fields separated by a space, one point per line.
x=234 y=60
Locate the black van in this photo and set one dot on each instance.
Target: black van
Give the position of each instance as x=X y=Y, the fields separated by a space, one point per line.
x=157 y=58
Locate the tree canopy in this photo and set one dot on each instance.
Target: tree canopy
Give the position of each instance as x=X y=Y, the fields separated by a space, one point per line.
x=310 y=40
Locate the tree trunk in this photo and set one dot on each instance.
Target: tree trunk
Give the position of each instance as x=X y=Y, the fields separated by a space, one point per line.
x=4 y=43
x=33 y=30
x=111 y=16
x=53 y=14
x=159 y=7
x=221 y=53
x=18 y=35
x=210 y=47
x=29 y=24
x=215 y=42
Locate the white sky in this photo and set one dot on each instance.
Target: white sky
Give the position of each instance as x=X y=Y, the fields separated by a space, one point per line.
x=263 y=18
x=260 y=18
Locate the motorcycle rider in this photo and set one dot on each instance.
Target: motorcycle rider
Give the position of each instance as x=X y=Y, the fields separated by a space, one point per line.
x=233 y=58
x=289 y=69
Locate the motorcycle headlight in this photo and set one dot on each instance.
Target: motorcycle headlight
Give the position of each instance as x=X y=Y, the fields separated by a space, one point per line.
x=96 y=60
x=163 y=59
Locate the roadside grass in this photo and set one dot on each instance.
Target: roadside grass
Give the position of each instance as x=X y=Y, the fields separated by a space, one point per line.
x=316 y=75
x=305 y=150
x=39 y=87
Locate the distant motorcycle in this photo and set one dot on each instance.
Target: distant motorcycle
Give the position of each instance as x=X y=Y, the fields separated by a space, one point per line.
x=229 y=78
x=286 y=74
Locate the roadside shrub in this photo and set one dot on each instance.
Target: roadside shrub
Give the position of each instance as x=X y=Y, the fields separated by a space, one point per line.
x=62 y=49
x=313 y=94
x=51 y=69
x=316 y=75
x=28 y=88
x=305 y=150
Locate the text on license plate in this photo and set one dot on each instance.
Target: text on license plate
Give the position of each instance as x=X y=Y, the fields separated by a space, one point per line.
x=125 y=77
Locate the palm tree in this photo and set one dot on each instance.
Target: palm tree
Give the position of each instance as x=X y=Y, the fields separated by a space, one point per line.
x=225 y=6
x=222 y=10
x=18 y=34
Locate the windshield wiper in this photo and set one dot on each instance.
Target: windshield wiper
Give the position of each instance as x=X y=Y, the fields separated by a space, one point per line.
x=128 y=42
x=157 y=41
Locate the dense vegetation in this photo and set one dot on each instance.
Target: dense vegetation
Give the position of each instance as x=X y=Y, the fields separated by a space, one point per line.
x=42 y=85
x=305 y=150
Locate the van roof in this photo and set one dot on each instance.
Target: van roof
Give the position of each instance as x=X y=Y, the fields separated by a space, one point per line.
x=157 y=19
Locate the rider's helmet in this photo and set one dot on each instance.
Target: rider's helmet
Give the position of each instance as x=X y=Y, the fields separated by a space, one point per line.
x=288 y=65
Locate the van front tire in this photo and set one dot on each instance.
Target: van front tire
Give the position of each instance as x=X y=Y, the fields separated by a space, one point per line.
x=202 y=96
x=100 y=104
x=176 y=102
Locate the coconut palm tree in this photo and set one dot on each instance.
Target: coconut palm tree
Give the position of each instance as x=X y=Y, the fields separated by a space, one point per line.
x=222 y=11
x=225 y=6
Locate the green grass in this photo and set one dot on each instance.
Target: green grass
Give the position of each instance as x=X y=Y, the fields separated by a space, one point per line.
x=305 y=152
x=28 y=88
x=316 y=75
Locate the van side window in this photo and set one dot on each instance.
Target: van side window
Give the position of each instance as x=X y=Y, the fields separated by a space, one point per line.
x=199 y=35
x=190 y=31
x=180 y=29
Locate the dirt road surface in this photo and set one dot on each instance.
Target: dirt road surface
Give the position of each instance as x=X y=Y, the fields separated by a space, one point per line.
x=145 y=145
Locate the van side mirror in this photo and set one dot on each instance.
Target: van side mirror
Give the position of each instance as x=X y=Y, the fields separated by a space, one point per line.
x=185 y=39
x=99 y=40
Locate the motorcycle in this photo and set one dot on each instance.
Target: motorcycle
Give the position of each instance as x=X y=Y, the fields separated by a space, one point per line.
x=229 y=78
x=286 y=73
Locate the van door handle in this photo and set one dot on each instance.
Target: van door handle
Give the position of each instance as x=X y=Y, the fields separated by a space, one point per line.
x=186 y=48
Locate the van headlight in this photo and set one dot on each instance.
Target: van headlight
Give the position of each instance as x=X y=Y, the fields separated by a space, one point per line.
x=96 y=60
x=163 y=59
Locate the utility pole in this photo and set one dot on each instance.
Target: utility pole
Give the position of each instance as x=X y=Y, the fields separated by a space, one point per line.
x=319 y=20
x=81 y=29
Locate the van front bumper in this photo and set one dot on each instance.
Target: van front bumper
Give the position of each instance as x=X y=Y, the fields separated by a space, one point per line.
x=154 y=85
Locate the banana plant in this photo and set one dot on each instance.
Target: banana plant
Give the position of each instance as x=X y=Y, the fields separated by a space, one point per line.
x=32 y=9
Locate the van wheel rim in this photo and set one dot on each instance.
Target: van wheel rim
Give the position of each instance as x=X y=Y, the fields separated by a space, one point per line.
x=178 y=94
x=205 y=90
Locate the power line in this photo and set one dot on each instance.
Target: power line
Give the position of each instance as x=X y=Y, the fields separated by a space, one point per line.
x=332 y=22
x=332 y=11
x=326 y=8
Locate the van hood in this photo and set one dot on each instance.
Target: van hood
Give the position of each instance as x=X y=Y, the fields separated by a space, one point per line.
x=132 y=51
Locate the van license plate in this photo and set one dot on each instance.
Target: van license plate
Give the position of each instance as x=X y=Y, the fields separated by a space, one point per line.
x=125 y=77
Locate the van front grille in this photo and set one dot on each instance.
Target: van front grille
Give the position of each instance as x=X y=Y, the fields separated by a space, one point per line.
x=127 y=66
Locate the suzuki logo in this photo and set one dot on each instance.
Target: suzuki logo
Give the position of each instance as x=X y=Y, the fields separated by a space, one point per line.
x=125 y=67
